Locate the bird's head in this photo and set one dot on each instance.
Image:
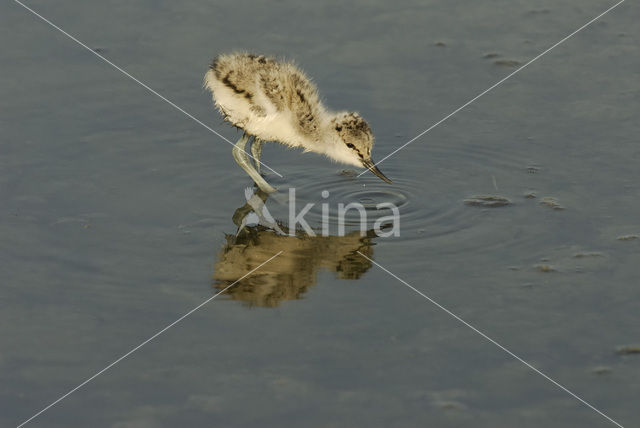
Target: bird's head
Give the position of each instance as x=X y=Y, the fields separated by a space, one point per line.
x=356 y=141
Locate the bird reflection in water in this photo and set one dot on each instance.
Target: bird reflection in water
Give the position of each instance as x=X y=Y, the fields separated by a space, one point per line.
x=290 y=275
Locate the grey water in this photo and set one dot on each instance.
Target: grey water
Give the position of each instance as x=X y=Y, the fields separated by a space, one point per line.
x=519 y=214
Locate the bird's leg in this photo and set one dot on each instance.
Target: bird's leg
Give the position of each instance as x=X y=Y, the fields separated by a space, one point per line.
x=241 y=157
x=256 y=151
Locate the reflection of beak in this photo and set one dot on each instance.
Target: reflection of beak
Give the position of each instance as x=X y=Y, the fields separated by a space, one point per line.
x=371 y=166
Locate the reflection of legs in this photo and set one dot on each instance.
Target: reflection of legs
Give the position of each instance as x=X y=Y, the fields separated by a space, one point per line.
x=243 y=160
x=241 y=213
x=256 y=151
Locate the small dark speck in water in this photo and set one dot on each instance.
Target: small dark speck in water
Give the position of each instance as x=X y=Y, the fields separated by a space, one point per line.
x=98 y=50
x=589 y=254
x=552 y=203
x=628 y=350
x=441 y=44
x=545 y=268
x=488 y=201
x=450 y=405
x=533 y=169
x=507 y=63
x=601 y=370
x=538 y=12
x=491 y=55
x=348 y=173
x=628 y=237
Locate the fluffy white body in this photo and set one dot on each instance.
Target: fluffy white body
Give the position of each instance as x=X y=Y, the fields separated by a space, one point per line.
x=270 y=125
x=275 y=101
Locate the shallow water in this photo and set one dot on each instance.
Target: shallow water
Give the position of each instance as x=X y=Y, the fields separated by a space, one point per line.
x=118 y=218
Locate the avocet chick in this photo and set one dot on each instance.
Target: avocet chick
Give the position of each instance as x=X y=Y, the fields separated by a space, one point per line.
x=276 y=101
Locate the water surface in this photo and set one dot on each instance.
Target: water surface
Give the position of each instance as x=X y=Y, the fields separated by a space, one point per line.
x=118 y=217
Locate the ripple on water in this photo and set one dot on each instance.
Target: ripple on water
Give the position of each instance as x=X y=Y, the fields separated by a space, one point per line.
x=421 y=216
x=345 y=188
x=433 y=217
x=488 y=201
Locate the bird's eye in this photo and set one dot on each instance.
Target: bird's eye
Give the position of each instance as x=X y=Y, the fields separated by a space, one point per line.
x=351 y=146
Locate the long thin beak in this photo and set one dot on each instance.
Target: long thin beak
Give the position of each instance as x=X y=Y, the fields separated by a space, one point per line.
x=371 y=166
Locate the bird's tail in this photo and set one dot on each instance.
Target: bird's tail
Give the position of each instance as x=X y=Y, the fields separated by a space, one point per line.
x=214 y=72
x=209 y=79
